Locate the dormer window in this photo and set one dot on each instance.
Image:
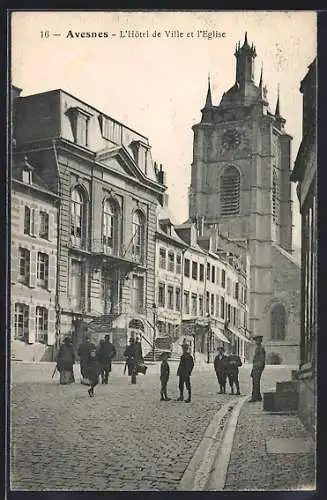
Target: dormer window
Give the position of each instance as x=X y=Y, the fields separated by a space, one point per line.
x=79 y=120
x=27 y=176
x=141 y=152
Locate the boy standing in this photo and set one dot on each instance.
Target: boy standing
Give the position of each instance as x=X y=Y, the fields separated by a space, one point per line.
x=164 y=376
x=234 y=362
x=184 y=371
x=220 y=366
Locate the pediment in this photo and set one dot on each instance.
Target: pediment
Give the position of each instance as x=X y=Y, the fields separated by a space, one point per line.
x=119 y=160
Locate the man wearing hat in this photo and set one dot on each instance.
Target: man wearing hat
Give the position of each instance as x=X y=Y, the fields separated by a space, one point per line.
x=259 y=361
x=220 y=366
x=164 y=375
x=184 y=371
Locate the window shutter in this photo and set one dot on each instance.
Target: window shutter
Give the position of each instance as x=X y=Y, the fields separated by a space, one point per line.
x=52 y=272
x=51 y=226
x=14 y=263
x=21 y=218
x=51 y=326
x=31 y=325
x=36 y=223
x=33 y=268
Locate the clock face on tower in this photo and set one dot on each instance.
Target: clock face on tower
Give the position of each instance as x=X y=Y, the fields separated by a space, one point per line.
x=231 y=139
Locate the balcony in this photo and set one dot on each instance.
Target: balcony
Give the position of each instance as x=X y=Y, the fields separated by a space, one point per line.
x=117 y=256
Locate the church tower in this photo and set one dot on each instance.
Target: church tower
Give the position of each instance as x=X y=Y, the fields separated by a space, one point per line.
x=240 y=181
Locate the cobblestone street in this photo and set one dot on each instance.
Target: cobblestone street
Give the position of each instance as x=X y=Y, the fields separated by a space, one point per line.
x=123 y=439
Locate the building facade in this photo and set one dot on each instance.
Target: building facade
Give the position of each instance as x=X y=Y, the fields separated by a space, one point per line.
x=240 y=181
x=201 y=290
x=305 y=174
x=109 y=188
x=34 y=211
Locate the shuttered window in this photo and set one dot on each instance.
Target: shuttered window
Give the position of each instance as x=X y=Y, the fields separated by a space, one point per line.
x=230 y=192
x=44 y=225
x=21 y=321
x=42 y=269
x=41 y=325
x=24 y=265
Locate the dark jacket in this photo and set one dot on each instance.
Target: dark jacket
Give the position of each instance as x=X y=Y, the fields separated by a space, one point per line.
x=65 y=357
x=186 y=365
x=234 y=362
x=92 y=364
x=220 y=363
x=259 y=361
x=164 y=371
x=106 y=353
x=84 y=350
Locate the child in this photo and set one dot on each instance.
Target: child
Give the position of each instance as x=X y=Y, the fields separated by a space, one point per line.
x=93 y=369
x=220 y=366
x=164 y=375
x=184 y=371
x=234 y=362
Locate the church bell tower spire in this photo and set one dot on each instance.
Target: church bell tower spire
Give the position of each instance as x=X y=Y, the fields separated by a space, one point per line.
x=245 y=56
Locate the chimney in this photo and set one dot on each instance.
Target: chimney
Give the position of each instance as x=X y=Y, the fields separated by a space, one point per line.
x=162 y=176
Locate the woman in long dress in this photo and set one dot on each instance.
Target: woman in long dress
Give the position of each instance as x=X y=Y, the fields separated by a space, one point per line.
x=65 y=362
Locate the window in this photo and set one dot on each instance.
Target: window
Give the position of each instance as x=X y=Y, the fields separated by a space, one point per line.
x=213 y=274
x=170 y=294
x=245 y=295
x=217 y=306
x=236 y=292
x=77 y=215
x=230 y=191
x=161 y=295
x=234 y=316
x=228 y=312
x=201 y=273
x=27 y=220
x=212 y=305
x=24 y=265
x=218 y=276
x=27 y=176
x=187 y=268
x=207 y=302
x=107 y=290
x=79 y=122
x=186 y=303
x=110 y=225
x=42 y=325
x=201 y=305
x=110 y=130
x=77 y=285
x=194 y=270
x=162 y=258
x=171 y=261
x=222 y=307
x=42 y=269
x=178 y=299
x=137 y=294
x=21 y=322
x=223 y=278
x=228 y=288
x=278 y=322
x=178 y=263
x=44 y=225
x=138 y=236
x=275 y=198
x=208 y=272
x=194 y=304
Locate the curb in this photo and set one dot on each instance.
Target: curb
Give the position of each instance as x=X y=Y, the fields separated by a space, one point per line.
x=198 y=471
x=218 y=473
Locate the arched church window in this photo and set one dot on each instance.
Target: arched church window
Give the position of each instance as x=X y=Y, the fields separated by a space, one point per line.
x=278 y=318
x=230 y=191
x=275 y=198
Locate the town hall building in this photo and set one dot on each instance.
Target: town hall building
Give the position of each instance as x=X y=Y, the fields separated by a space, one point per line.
x=240 y=183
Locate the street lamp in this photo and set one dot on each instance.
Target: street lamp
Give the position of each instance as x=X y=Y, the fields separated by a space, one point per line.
x=154 y=307
x=208 y=339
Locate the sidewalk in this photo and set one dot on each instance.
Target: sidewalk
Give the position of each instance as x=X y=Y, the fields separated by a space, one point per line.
x=270 y=452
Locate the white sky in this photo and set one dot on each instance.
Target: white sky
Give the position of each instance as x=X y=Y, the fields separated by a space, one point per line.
x=158 y=85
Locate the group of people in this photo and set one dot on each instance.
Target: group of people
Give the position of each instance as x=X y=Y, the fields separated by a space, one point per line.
x=96 y=361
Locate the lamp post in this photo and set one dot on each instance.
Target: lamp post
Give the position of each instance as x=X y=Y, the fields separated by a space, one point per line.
x=208 y=339
x=154 y=307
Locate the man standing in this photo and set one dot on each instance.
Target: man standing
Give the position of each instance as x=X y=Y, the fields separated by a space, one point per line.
x=220 y=366
x=84 y=353
x=133 y=355
x=106 y=353
x=184 y=371
x=259 y=361
x=234 y=362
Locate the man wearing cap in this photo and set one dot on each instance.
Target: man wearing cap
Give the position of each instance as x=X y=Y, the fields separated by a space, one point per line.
x=164 y=375
x=259 y=361
x=220 y=366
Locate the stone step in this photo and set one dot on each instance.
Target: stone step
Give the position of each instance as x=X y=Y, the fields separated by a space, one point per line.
x=289 y=386
x=280 y=402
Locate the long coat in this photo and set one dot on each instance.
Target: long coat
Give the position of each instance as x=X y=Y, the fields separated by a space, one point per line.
x=106 y=353
x=220 y=363
x=185 y=366
x=65 y=357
